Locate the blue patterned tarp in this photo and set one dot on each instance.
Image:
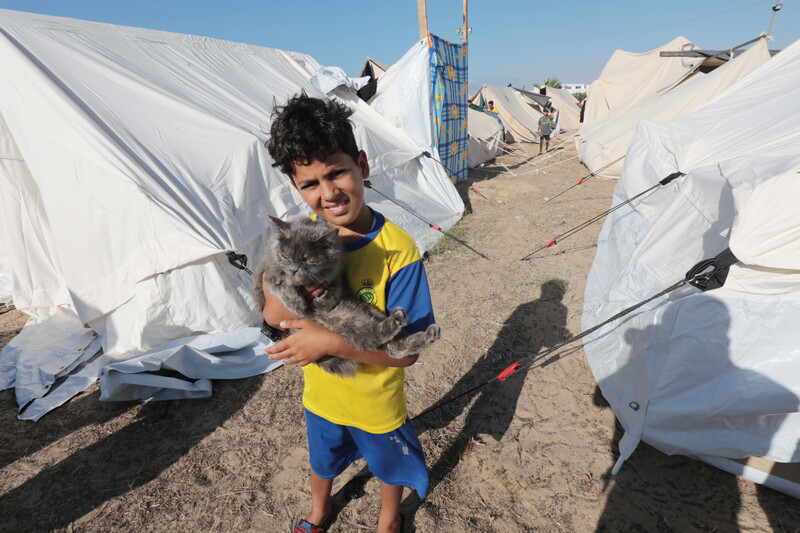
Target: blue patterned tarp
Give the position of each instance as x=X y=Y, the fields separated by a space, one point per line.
x=449 y=85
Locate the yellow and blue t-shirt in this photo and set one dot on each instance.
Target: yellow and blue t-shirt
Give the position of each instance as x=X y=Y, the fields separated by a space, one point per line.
x=383 y=268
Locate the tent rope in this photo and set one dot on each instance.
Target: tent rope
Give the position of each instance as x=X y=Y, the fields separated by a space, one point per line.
x=583 y=225
x=368 y=185
x=586 y=178
x=705 y=275
x=536 y=170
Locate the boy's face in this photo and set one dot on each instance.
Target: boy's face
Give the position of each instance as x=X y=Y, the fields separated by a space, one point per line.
x=334 y=190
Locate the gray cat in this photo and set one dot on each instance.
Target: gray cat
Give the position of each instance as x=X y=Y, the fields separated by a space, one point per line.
x=303 y=252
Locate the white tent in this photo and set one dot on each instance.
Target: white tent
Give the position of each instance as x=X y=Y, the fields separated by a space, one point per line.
x=629 y=78
x=403 y=95
x=133 y=160
x=519 y=118
x=713 y=375
x=605 y=140
x=485 y=138
x=567 y=107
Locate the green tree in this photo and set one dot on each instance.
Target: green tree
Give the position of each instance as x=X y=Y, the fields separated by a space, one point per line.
x=579 y=96
x=549 y=82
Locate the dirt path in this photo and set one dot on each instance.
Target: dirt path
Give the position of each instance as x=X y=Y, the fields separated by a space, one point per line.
x=529 y=455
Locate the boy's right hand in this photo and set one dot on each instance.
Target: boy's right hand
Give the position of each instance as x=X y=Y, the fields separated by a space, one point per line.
x=308 y=344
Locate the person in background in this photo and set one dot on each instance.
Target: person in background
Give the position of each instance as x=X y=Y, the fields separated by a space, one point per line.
x=545 y=129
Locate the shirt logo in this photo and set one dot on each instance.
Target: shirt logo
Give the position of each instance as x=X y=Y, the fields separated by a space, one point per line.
x=367 y=292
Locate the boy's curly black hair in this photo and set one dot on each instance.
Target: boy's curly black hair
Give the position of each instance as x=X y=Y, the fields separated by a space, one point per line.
x=309 y=128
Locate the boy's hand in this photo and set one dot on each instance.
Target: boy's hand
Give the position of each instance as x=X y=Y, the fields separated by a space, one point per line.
x=309 y=292
x=313 y=291
x=308 y=344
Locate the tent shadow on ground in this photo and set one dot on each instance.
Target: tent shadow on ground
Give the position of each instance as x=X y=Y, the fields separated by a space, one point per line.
x=27 y=437
x=463 y=188
x=532 y=326
x=131 y=457
x=657 y=492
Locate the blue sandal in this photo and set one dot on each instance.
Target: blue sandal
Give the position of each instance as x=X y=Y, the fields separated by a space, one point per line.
x=304 y=526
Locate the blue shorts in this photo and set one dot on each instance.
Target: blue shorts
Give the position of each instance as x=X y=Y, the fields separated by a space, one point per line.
x=395 y=458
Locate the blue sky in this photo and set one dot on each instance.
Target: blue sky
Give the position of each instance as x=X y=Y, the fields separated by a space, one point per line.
x=514 y=41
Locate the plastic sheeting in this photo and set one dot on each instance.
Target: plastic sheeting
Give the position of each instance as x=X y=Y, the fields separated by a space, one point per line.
x=132 y=159
x=326 y=79
x=196 y=360
x=403 y=95
x=5 y=286
x=714 y=375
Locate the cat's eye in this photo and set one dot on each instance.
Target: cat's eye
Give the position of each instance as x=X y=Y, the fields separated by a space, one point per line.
x=285 y=256
x=309 y=260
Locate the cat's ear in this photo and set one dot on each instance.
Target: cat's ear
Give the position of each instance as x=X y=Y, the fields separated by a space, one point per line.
x=328 y=234
x=278 y=223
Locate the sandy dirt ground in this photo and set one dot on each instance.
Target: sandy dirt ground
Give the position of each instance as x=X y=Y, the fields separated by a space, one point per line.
x=530 y=454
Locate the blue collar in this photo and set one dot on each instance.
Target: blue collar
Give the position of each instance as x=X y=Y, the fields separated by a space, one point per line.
x=377 y=225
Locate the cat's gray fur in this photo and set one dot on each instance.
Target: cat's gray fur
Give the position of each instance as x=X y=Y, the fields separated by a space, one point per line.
x=286 y=269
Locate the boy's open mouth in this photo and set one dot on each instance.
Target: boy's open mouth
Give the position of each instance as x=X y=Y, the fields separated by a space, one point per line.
x=339 y=209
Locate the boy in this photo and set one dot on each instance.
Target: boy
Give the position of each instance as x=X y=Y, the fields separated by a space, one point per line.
x=365 y=416
x=544 y=130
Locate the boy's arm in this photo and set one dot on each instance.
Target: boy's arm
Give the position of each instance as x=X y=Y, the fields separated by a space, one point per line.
x=312 y=341
x=274 y=310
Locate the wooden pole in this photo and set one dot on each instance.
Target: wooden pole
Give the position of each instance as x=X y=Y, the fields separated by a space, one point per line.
x=775 y=10
x=422 y=12
x=465 y=31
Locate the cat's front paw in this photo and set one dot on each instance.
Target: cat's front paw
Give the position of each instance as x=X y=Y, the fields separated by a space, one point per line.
x=325 y=301
x=433 y=332
x=400 y=317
